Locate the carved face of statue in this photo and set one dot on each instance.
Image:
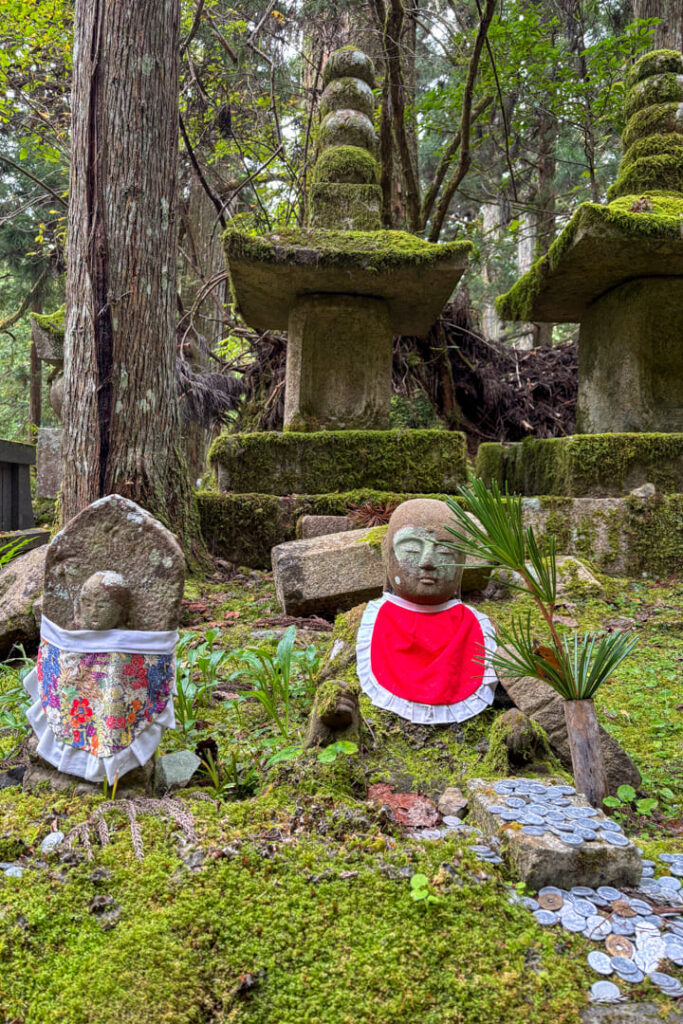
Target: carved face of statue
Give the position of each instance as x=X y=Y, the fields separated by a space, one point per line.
x=103 y=602
x=421 y=568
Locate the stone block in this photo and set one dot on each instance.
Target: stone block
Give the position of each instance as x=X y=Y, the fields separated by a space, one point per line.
x=539 y=701
x=452 y=803
x=320 y=526
x=49 y=462
x=173 y=771
x=326 y=575
x=546 y=860
x=48 y=336
x=585 y=465
x=415 y=461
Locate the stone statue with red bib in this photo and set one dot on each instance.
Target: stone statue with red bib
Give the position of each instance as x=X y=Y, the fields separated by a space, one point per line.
x=421 y=652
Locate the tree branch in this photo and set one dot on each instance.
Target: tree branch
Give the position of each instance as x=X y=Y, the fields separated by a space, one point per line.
x=465 y=158
x=198 y=171
x=10 y=320
x=43 y=185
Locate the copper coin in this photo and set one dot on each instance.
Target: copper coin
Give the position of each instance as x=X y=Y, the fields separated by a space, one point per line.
x=618 y=945
x=623 y=908
x=550 y=901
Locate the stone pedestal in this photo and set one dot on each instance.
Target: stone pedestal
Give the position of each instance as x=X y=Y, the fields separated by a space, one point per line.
x=49 y=462
x=338 y=364
x=631 y=359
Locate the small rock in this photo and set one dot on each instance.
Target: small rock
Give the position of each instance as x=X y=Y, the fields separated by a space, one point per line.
x=106 y=909
x=173 y=771
x=98 y=875
x=51 y=842
x=644 y=491
x=13 y=777
x=14 y=871
x=452 y=803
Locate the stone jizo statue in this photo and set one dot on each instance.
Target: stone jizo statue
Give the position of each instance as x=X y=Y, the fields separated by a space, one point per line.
x=421 y=652
x=104 y=682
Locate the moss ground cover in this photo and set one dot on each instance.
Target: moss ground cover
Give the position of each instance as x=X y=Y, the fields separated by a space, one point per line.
x=298 y=907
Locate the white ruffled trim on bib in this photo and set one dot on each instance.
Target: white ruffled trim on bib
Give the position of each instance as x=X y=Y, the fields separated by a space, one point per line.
x=84 y=641
x=423 y=714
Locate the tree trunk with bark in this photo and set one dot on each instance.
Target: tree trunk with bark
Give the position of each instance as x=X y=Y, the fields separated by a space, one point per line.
x=121 y=418
x=669 y=32
x=35 y=411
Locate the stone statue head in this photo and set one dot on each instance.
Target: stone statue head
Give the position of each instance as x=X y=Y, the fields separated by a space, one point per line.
x=419 y=566
x=103 y=602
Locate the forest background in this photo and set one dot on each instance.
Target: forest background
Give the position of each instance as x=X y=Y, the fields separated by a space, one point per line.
x=495 y=120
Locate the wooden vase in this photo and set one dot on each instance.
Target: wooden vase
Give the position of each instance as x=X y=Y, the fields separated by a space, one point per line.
x=584 y=743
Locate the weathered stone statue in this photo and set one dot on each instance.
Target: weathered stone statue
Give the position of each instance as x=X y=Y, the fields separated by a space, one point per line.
x=104 y=682
x=421 y=652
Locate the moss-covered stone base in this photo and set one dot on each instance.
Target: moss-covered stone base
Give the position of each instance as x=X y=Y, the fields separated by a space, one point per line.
x=596 y=465
x=620 y=536
x=419 y=461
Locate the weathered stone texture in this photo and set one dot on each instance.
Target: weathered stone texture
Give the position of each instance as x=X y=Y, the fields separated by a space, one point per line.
x=21 y=584
x=49 y=462
x=546 y=860
x=116 y=534
x=320 y=526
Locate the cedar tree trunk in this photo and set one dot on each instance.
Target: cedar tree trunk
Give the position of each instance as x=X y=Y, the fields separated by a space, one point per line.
x=121 y=418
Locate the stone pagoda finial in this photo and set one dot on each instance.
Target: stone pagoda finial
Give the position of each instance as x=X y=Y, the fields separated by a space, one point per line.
x=653 y=139
x=345 y=194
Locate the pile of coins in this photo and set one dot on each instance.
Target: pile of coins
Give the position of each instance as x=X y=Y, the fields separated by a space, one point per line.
x=636 y=939
x=542 y=810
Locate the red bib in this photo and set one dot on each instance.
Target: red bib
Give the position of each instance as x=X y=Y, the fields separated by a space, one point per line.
x=424 y=663
x=430 y=658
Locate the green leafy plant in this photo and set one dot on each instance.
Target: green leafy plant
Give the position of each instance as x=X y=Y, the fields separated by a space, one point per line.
x=201 y=660
x=490 y=529
x=12 y=549
x=626 y=798
x=420 y=891
x=328 y=755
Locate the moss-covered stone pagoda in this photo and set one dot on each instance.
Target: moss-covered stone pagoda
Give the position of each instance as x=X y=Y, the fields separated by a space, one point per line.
x=617 y=269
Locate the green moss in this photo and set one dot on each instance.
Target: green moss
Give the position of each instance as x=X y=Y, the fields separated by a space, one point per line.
x=652 y=145
x=535 y=748
x=418 y=461
x=45 y=511
x=593 y=464
x=372 y=251
x=347 y=93
x=657 y=62
x=375 y=538
x=347 y=128
x=344 y=207
x=654 y=530
x=346 y=164
x=349 y=61
x=660 y=171
x=658 y=119
x=54 y=323
x=666 y=87
x=664 y=222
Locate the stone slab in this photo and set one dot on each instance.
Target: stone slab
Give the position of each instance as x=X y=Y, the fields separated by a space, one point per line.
x=629 y=1013
x=419 y=461
x=539 y=701
x=49 y=462
x=585 y=465
x=331 y=573
x=546 y=860
x=600 y=248
x=173 y=771
x=321 y=526
x=414 y=277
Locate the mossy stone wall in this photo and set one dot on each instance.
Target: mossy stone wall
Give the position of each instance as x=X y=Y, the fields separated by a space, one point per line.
x=419 y=461
x=345 y=207
x=599 y=465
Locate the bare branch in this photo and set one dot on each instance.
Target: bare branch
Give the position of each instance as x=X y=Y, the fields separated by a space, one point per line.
x=43 y=185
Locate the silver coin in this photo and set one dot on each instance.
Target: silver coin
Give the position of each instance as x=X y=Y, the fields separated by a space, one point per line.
x=674 y=946
x=585 y=812
x=647 y=863
x=538 y=789
x=480 y=848
x=605 y=992
x=571 y=839
x=428 y=833
x=677 y=870
x=644 y=927
x=586 y=833
x=529 y=903
x=515 y=801
x=546 y=917
x=622 y=925
x=573 y=812
x=541 y=809
x=533 y=830
x=582 y=890
x=555 y=816
x=495 y=808
x=597 y=928
x=549 y=888
x=667 y=882
x=565 y=790
x=633 y=979
x=495 y=859
x=573 y=922
x=599 y=962
x=640 y=906
x=654 y=919
x=614 y=838
x=648 y=873
x=508 y=814
x=535 y=819
x=668 y=858
x=666 y=983
x=610 y=826
x=584 y=907
x=623 y=966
